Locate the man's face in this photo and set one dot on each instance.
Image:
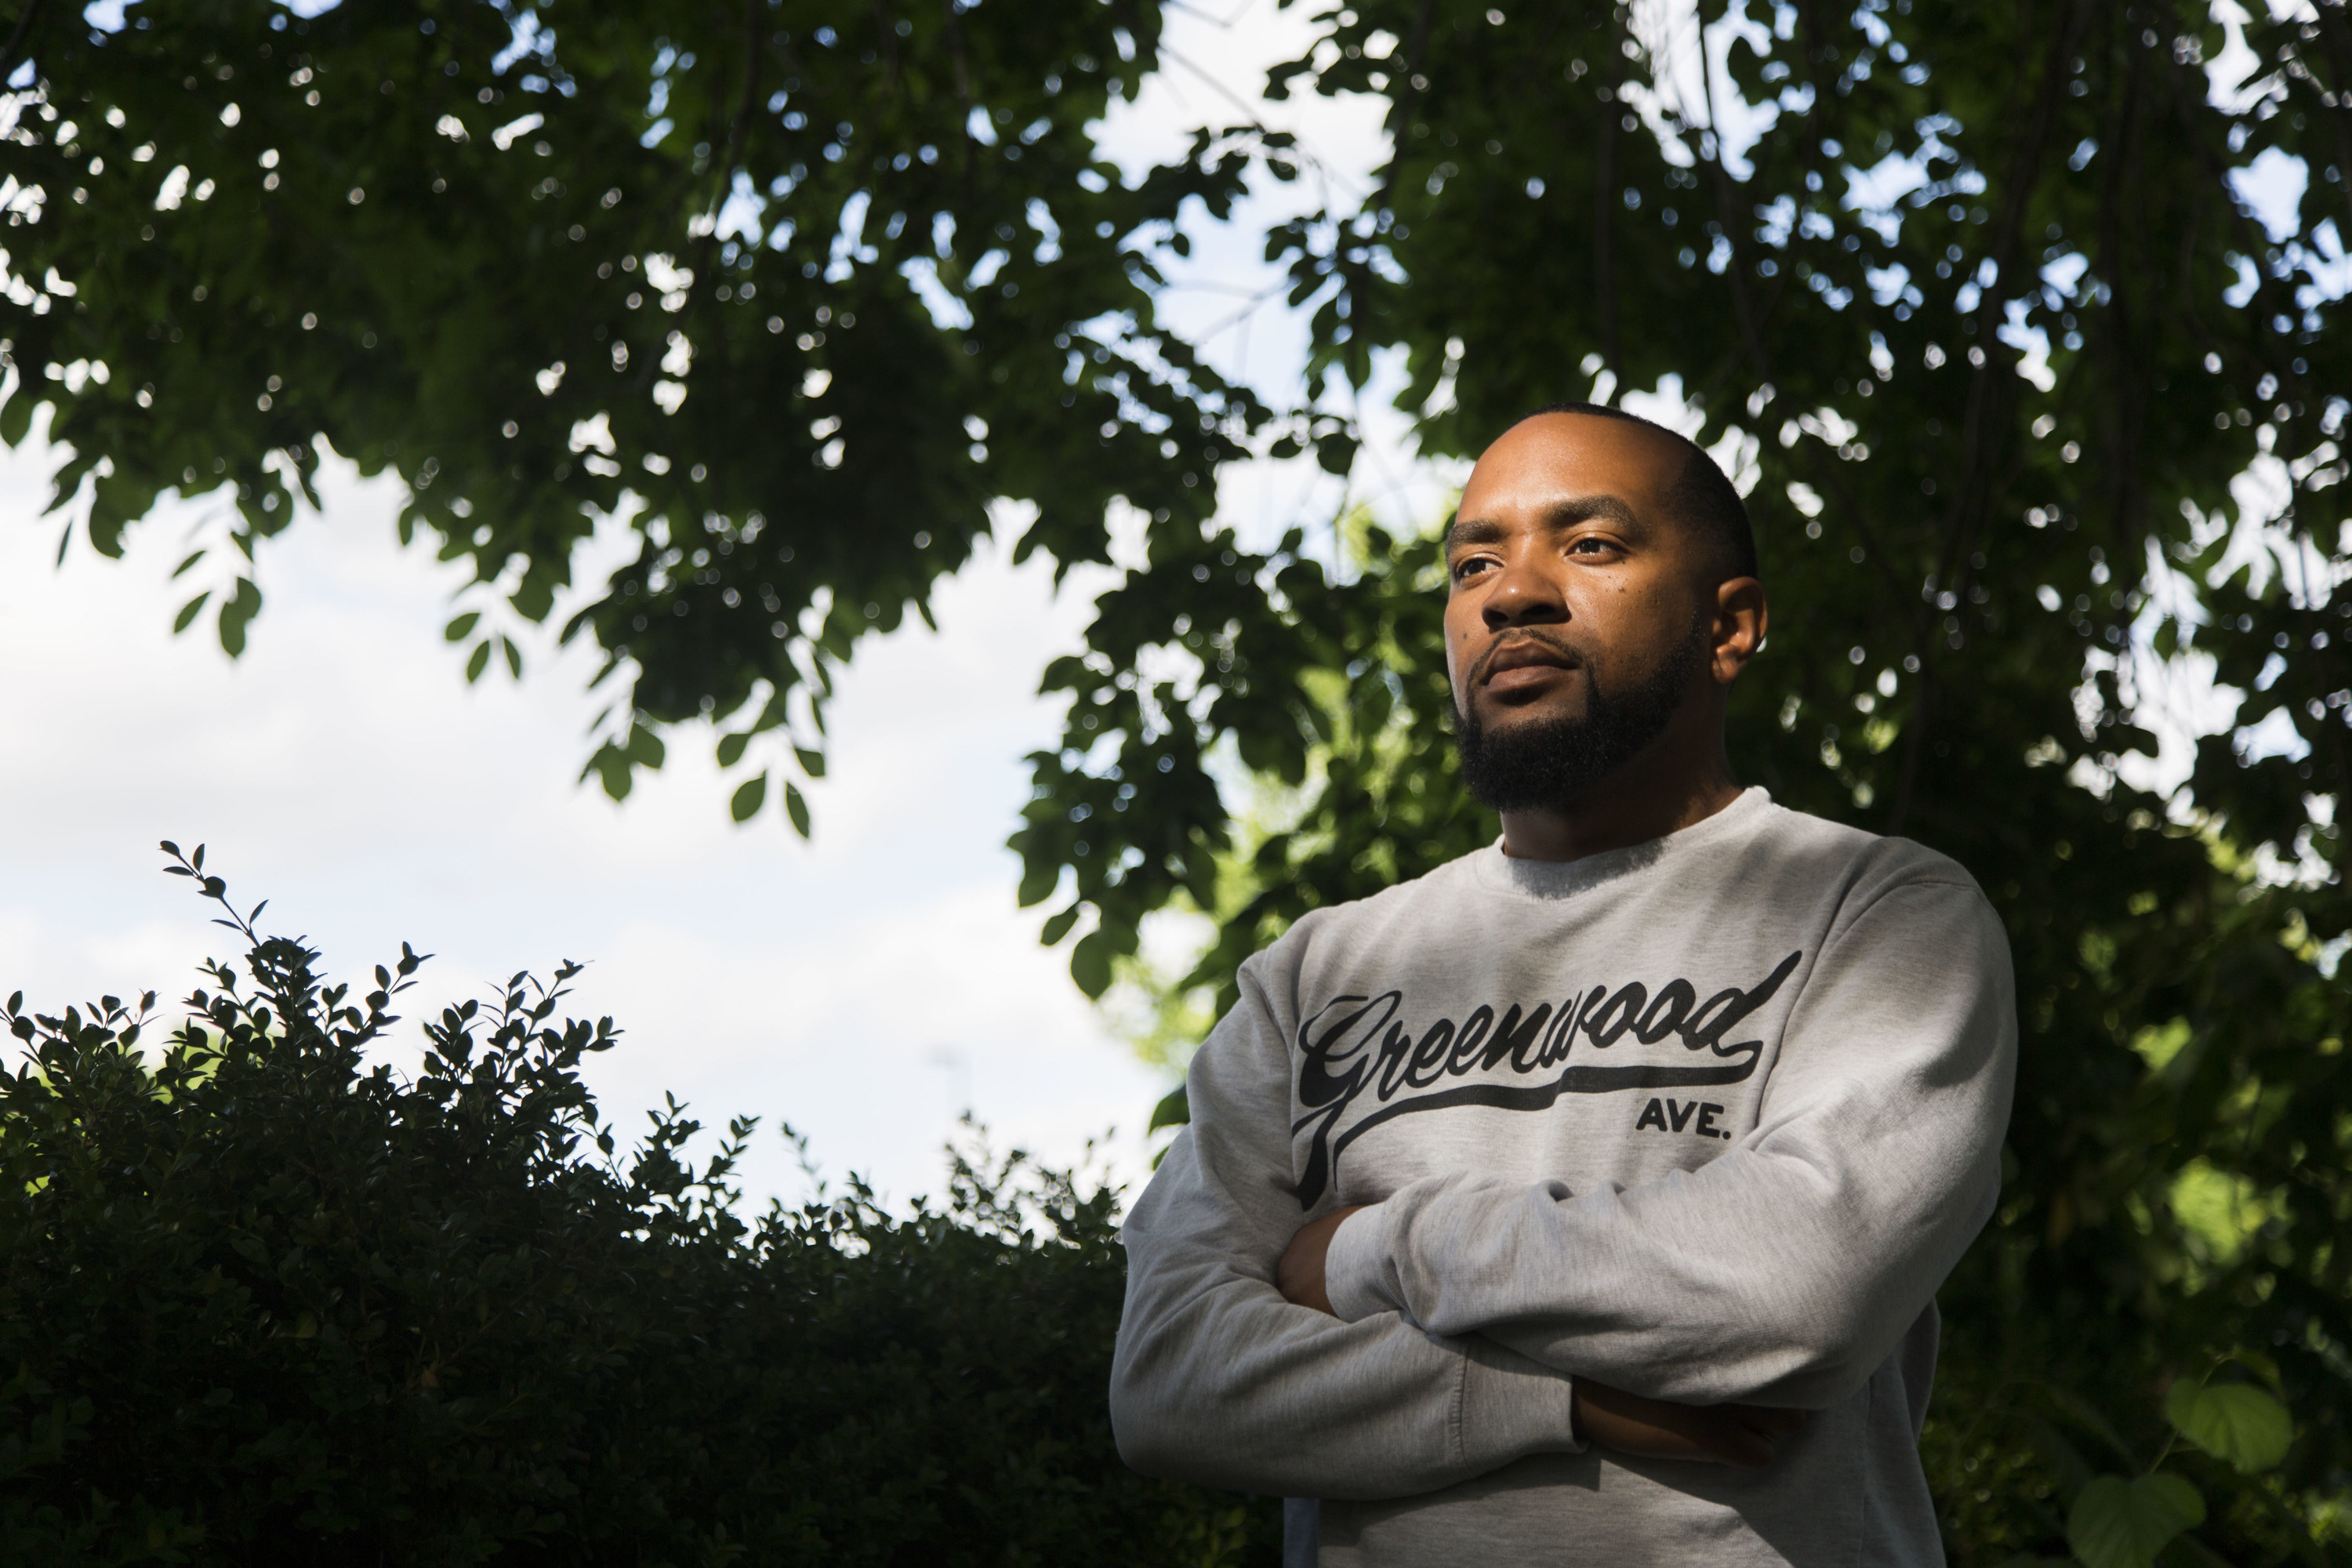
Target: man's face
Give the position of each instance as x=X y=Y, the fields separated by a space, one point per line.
x=1579 y=614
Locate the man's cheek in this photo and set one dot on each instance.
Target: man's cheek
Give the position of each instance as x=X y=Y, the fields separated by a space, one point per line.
x=1458 y=653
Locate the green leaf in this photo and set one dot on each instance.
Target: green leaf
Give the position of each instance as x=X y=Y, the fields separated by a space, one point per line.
x=106 y=522
x=2261 y=1366
x=796 y=808
x=479 y=662
x=236 y=614
x=1058 y=927
x=611 y=765
x=646 y=749
x=513 y=655
x=182 y=569
x=1118 y=936
x=1174 y=1109
x=188 y=611
x=15 y=417
x=1039 y=878
x=811 y=762
x=2117 y=1523
x=731 y=748
x=458 y=630
x=750 y=796
x=2232 y=1421
x=1090 y=965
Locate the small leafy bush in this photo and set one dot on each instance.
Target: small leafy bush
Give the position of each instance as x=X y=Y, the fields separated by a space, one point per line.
x=263 y=1303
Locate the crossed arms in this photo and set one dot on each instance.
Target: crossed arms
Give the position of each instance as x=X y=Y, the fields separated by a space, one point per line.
x=1739 y=1434
x=1466 y=1311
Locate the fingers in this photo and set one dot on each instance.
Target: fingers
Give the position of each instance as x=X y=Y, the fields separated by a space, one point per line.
x=1773 y=1426
x=1300 y=1273
x=1724 y=1438
x=1742 y=1437
x=1695 y=1437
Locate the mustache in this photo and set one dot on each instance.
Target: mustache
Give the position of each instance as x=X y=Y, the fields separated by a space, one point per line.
x=1525 y=634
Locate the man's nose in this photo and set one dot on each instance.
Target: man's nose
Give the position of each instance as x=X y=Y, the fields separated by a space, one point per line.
x=1523 y=594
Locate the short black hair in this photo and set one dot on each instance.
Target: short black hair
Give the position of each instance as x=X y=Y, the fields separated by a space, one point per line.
x=1701 y=494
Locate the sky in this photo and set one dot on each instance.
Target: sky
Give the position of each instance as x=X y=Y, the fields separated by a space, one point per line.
x=867 y=987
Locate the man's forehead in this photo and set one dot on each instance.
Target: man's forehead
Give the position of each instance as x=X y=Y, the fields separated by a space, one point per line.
x=1556 y=455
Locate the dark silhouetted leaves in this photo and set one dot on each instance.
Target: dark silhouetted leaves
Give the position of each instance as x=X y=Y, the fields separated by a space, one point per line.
x=768 y=270
x=750 y=796
x=262 y=1301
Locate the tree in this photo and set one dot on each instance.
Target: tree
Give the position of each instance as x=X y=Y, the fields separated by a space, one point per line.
x=1981 y=316
x=496 y=248
x=1985 y=320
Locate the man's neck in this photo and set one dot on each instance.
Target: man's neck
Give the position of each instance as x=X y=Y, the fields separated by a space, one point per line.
x=1649 y=797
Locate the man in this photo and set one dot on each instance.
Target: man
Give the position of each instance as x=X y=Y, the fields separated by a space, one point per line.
x=1585 y=1200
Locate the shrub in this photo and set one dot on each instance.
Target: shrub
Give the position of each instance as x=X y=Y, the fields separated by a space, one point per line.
x=264 y=1302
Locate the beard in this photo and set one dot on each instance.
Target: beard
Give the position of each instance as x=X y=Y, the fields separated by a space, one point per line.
x=1551 y=762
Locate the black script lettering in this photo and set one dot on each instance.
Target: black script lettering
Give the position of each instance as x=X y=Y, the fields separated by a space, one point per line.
x=1557 y=1039
x=1474 y=1035
x=1659 y=1021
x=1511 y=1037
x=1396 y=1045
x=1325 y=1040
x=1429 y=1056
x=1339 y=1065
x=1735 y=1006
x=1338 y=1041
x=1617 y=1015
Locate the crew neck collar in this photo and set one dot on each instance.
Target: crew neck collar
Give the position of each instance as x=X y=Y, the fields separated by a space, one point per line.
x=1564 y=878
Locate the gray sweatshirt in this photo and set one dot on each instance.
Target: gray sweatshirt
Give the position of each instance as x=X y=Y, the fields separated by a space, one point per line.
x=1708 y=1118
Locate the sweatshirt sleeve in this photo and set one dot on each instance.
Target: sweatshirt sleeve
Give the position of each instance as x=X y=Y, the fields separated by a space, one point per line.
x=1787 y=1268
x=1218 y=1380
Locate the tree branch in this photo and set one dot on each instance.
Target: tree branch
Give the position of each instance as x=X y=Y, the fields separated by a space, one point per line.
x=1972 y=499
x=19 y=37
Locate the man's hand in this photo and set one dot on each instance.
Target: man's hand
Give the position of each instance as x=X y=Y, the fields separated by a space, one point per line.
x=1741 y=1436
x=1299 y=1275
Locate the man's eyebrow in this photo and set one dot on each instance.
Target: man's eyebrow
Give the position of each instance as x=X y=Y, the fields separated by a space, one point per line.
x=1558 y=514
x=1473 y=530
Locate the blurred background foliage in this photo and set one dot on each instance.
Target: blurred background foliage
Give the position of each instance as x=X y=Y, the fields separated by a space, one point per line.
x=2039 y=418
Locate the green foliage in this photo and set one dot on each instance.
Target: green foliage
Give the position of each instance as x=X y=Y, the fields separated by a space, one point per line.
x=2233 y=1422
x=814 y=285
x=2127 y=1522
x=2124 y=1524
x=261 y=1302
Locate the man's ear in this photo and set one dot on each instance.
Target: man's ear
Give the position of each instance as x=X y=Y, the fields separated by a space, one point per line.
x=1742 y=621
